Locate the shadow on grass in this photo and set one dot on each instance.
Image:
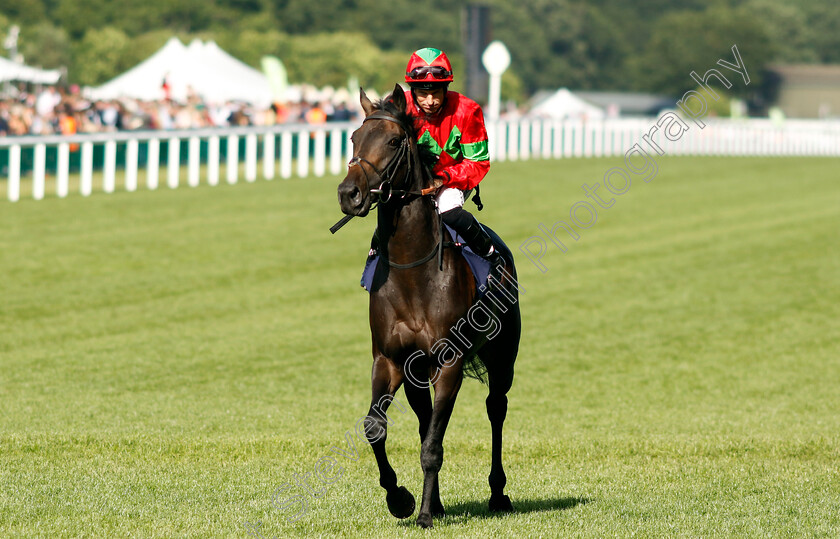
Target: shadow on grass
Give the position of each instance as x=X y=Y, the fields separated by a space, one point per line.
x=462 y=512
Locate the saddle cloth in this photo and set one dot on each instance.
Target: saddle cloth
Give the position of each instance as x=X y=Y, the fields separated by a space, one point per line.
x=478 y=264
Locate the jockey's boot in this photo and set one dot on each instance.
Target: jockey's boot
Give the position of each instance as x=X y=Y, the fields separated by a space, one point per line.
x=477 y=239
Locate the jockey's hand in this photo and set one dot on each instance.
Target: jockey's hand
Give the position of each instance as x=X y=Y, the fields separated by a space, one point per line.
x=437 y=183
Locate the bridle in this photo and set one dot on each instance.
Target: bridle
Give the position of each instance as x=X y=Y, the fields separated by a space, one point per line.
x=385 y=191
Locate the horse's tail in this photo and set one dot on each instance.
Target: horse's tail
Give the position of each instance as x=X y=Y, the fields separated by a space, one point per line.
x=501 y=303
x=475 y=368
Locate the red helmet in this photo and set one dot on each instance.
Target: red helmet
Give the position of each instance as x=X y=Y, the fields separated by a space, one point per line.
x=428 y=69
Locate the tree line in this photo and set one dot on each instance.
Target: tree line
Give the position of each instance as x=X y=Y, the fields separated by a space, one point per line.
x=581 y=44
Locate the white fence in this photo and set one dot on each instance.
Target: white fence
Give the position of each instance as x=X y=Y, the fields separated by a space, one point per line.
x=278 y=148
x=301 y=150
x=529 y=139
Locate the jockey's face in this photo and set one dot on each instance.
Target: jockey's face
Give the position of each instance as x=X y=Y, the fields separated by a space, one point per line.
x=429 y=101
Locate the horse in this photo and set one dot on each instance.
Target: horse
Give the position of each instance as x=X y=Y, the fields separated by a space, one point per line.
x=421 y=305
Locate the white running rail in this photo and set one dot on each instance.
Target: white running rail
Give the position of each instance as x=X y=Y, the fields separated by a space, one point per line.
x=198 y=156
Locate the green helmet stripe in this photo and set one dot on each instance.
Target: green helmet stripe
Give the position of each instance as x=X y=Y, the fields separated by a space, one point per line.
x=428 y=54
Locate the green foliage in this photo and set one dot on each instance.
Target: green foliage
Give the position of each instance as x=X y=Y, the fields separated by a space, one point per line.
x=715 y=108
x=786 y=25
x=22 y=11
x=597 y=44
x=186 y=15
x=332 y=58
x=687 y=41
x=145 y=45
x=512 y=87
x=399 y=24
x=824 y=19
x=4 y=27
x=304 y=16
x=251 y=45
x=574 y=45
x=101 y=53
x=322 y=59
x=46 y=46
x=411 y=25
x=77 y=17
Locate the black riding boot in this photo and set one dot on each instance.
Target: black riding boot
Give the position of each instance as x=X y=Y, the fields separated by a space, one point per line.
x=476 y=237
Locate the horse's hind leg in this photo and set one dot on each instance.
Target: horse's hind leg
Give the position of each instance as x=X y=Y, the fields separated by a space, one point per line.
x=385 y=381
x=496 y=411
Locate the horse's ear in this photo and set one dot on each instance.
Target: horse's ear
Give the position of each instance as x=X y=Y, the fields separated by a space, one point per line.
x=398 y=97
x=367 y=106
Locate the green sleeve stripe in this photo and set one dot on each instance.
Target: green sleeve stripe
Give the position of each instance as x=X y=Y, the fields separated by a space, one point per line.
x=476 y=151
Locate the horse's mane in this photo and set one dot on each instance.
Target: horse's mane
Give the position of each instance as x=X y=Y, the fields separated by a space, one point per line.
x=427 y=158
x=386 y=105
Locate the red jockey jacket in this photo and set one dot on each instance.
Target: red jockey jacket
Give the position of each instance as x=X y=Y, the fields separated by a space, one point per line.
x=457 y=136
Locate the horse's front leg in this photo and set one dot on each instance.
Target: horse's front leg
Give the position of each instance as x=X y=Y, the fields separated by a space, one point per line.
x=417 y=392
x=446 y=386
x=385 y=380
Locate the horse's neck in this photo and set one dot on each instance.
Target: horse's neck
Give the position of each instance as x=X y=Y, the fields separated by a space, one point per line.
x=409 y=232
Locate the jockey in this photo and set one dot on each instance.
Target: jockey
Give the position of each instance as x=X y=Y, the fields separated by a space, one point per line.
x=450 y=128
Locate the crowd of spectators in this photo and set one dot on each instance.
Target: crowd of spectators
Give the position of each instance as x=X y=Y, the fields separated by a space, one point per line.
x=57 y=110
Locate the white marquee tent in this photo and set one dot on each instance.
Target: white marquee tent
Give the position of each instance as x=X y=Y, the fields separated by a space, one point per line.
x=563 y=104
x=13 y=71
x=201 y=68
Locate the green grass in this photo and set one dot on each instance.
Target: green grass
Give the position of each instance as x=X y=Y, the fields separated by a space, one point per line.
x=170 y=358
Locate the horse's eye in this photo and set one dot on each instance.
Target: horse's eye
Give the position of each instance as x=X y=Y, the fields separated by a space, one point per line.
x=394 y=142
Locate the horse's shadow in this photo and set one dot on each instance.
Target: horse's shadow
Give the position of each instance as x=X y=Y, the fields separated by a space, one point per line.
x=461 y=512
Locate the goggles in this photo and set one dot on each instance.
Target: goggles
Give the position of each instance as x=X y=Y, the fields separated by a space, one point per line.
x=437 y=72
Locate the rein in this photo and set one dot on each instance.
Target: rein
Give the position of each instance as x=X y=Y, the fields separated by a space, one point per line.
x=385 y=192
x=420 y=262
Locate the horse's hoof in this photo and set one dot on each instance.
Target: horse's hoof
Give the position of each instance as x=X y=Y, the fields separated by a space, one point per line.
x=400 y=503
x=500 y=504
x=424 y=520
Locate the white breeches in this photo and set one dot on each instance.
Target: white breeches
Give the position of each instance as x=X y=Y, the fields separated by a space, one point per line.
x=449 y=198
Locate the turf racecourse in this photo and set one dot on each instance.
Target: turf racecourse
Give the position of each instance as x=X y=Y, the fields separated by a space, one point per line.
x=170 y=359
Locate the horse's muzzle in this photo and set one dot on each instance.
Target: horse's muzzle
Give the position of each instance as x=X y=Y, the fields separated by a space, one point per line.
x=352 y=200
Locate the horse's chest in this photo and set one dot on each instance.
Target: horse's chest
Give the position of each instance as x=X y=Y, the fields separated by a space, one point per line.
x=408 y=322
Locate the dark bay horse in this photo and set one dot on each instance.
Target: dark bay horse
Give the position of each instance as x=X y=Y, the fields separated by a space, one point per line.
x=425 y=324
